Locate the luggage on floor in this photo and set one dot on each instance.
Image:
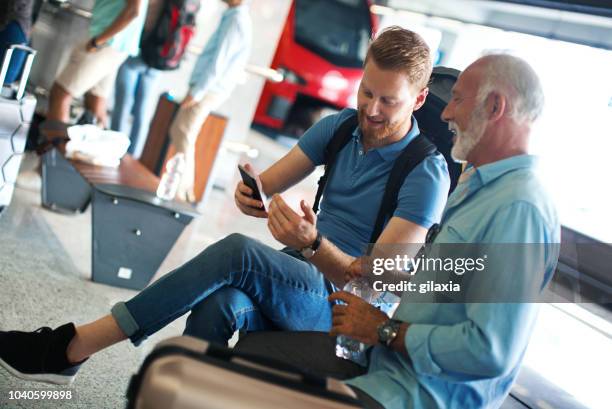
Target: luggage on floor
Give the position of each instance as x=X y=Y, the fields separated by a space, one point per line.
x=16 y=111
x=188 y=373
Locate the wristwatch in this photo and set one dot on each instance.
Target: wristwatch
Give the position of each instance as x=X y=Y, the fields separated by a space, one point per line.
x=387 y=331
x=94 y=43
x=309 y=251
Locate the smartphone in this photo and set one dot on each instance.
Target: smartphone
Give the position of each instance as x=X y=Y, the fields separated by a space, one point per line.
x=250 y=181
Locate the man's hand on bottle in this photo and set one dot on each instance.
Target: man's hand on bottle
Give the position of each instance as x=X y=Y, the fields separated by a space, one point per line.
x=289 y=227
x=356 y=318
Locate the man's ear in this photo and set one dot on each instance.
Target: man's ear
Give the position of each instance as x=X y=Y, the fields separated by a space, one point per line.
x=420 y=99
x=495 y=106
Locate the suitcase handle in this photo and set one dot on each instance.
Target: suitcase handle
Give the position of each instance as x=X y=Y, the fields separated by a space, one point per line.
x=26 y=69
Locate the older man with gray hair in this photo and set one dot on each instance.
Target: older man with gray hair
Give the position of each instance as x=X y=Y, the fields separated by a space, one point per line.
x=465 y=354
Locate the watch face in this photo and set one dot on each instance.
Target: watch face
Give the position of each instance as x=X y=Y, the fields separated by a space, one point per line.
x=307 y=252
x=387 y=333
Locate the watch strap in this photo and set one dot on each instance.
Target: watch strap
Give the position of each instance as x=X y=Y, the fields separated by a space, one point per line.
x=309 y=251
x=315 y=244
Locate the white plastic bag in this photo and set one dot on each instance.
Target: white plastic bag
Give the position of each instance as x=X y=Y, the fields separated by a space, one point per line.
x=90 y=144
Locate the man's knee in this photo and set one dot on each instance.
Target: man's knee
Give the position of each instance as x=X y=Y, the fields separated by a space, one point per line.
x=59 y=91
x=238 y=243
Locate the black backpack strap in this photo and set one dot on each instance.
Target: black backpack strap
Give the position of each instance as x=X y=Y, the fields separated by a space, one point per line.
x=412 y=155
x=341 y=137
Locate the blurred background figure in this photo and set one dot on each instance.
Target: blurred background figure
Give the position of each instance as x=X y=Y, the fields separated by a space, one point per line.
x=213 y=78
x=163 y=45
x=16 y=20
x=114 y=35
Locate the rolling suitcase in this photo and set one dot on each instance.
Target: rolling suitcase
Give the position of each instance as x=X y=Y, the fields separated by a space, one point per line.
x=16 y=111
x=189 y=373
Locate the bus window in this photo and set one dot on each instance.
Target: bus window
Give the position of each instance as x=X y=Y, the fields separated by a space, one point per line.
x=337 y=30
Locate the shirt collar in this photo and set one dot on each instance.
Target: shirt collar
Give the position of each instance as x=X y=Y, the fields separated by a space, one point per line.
x=392 y=151
x=492 y=171
x=234 y=10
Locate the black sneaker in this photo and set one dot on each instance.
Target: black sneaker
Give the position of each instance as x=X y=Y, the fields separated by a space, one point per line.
x=39 y=355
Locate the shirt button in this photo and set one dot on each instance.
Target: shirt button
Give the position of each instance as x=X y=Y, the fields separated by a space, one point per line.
x=360 y=152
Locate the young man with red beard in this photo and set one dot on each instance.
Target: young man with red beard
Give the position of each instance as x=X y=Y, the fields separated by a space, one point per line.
x=241 y=284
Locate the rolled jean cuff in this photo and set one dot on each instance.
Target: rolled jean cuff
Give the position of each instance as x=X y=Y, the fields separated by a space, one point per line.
x=126 y=322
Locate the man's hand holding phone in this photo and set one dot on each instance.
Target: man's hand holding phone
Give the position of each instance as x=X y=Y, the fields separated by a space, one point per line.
x=249 y=196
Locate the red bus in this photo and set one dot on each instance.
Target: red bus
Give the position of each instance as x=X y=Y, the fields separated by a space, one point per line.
x=320 y=54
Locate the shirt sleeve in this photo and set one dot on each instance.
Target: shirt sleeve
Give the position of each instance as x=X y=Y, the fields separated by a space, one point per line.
x=217 y=58
x=493 y=338
x=423 y=194
x=315 y=139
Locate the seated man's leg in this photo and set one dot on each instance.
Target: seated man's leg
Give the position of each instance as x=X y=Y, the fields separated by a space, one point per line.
x=291 y=293
x=224 y=312
x=308 y=352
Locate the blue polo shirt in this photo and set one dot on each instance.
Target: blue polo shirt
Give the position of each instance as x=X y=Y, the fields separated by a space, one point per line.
x=357 y=183
x=466 y=356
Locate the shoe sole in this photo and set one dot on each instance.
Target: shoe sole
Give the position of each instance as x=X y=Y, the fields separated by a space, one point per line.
x=54 y=379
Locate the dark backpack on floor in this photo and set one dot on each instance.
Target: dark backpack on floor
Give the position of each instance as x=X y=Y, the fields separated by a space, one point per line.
x=434 y=137
x=164 y=47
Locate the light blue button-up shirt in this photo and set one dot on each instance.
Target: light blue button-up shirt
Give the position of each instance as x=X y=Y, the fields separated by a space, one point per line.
x=225 y=55
x=467 y=355
x=355 y=188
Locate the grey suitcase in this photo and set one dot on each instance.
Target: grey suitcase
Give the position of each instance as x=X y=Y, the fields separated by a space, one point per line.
x=189 y=373
x=16 y=111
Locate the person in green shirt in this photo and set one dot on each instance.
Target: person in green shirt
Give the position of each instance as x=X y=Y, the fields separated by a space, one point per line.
x=114 y=35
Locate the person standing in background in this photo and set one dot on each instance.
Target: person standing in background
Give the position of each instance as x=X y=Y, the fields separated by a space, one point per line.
x=115 y=34
x=212 y=80
x=15 y=26
x=162 y=47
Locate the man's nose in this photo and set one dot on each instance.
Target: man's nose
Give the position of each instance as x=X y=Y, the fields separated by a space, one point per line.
x=446 y=115
x=372 y=108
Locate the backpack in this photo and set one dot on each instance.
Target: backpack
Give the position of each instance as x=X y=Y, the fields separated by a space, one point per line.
x=164 y=47
x=435 y=137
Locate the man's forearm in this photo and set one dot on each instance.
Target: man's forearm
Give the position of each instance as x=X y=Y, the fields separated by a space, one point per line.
x=332 y=262
x=127 y=15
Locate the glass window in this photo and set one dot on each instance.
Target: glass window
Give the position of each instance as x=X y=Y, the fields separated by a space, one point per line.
x=574 y=136
x=337 y=30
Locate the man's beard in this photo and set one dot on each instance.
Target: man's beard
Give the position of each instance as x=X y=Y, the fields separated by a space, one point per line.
x=380 y=136
x=466 y=140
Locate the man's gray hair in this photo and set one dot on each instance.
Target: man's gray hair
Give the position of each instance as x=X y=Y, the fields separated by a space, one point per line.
x=515 y=79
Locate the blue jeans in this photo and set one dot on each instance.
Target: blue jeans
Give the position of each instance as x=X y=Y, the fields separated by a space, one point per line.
x=135 y=89
x=237 y=283
x=13 y=34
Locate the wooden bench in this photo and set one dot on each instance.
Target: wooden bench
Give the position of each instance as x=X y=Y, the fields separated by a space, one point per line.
x=132 y=229
x=158 y=150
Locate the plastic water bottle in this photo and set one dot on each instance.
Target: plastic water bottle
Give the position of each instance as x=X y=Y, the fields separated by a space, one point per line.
x=387 y=302
x=170 y=180
x=349 y=348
